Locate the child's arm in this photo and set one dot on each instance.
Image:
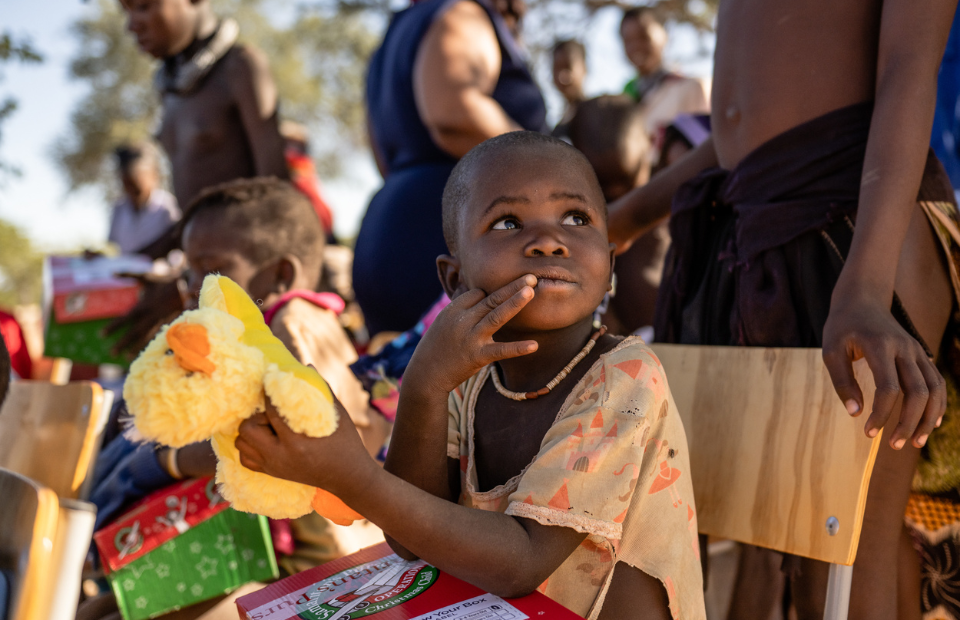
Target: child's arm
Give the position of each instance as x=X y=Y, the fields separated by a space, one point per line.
x=457 y=345
x=912 y=39
x=643 y=208
x=504 y=555
x=255 y=95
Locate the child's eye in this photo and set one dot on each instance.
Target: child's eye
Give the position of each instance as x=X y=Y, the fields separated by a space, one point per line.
x=507 y=223
x=575 y=219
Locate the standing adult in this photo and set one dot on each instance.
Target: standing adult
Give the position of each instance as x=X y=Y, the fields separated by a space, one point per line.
x=449 y=75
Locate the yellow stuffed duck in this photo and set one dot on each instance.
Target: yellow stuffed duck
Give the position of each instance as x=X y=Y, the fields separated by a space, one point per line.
x=206 y=372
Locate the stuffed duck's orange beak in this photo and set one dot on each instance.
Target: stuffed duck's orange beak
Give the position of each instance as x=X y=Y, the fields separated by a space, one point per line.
x=190 y=347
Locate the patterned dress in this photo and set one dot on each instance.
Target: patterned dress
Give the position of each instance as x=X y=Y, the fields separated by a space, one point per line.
x=933 y=512
x=614 y=466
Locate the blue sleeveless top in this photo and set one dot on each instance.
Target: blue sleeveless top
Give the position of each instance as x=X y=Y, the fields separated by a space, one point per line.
x=395 y=275
x=401 y=136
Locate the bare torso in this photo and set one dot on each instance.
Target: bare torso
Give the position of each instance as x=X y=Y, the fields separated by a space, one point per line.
x=779 y=64
x=205 y=138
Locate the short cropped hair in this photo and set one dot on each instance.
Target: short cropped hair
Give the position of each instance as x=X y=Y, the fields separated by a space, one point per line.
x=136 y=153
x=267 y=217
x=572 y=47
x=4 y=370
x=608 y=127
x=640 y=13
x=457 y=190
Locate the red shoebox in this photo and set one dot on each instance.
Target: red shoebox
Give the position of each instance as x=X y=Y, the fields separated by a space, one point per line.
x=86 y=289
x=376 y=583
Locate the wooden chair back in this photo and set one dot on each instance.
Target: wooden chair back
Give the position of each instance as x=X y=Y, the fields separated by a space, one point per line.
x=776 y=460
x=51 y=433
x=29 y=514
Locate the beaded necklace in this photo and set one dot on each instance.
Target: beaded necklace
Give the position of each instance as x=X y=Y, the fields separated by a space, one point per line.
x=519 y=396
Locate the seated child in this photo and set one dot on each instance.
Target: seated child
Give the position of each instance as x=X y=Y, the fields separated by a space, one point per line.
x=531 y=449
x=265 y=236
x=610 y=132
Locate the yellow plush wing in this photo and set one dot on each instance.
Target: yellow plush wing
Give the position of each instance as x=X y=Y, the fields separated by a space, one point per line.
x=220 y=290
x=258 y=335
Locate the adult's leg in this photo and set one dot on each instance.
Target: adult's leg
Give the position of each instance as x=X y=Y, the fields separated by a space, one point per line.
x=923 y=286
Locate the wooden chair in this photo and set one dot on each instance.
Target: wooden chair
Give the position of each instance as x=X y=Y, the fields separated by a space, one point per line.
x=51 y=433
x=28 y=526
x=776 y=460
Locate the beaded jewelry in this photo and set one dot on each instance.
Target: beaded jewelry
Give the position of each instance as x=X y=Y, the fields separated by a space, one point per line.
x=519 y=396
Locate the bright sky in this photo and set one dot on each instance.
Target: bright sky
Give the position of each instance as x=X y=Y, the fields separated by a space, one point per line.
x=38 y=201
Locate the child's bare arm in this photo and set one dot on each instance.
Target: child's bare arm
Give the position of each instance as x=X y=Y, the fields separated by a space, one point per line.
x=912 y=39
x=504 y=555
x=457 y=345
x=642 y=209
x=255 y=95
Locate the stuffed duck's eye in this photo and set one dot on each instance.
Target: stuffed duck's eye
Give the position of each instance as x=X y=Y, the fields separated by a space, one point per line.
x=189 y=374
x=169 y=352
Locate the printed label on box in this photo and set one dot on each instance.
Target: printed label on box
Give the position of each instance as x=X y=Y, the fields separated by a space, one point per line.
x=357 y=592
x=483 y=607
x=377 y=583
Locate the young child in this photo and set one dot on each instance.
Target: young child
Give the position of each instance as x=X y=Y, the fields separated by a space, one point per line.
x=263 y=234
x=531 y=450
x=146 y=211
x=610 y=132
x=661 y=94
x=569 y=72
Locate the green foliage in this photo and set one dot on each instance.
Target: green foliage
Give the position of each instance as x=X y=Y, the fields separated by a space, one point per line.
x=13 y=50
x=318 y=59
x=21 y=267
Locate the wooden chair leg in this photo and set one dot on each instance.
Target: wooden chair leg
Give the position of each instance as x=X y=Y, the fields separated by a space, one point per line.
x=838 y=592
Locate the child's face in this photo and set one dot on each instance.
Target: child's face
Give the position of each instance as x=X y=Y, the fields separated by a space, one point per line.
x=536 y=212
x=643 y=42
x=569 y=71
x=163 y=28
x=211 y=249
x=138 y=182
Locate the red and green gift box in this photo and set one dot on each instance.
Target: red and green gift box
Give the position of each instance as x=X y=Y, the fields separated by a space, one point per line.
x=376 y=583
x=180 y=546
x=81 y=296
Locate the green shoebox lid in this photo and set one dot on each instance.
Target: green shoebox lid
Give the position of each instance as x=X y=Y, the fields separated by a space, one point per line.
x=210 y=559
x=82 y=342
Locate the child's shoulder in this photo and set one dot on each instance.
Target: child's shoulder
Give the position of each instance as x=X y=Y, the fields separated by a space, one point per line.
x=628 y=377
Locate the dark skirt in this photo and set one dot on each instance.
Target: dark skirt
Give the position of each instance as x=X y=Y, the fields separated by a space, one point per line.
x=394 y=269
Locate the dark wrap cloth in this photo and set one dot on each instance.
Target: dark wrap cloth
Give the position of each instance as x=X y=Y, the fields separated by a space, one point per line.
x=757 y=250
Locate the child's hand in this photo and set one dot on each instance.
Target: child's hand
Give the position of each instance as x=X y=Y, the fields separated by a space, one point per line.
x=460 y=342
x=857 y=330
x=267 y=445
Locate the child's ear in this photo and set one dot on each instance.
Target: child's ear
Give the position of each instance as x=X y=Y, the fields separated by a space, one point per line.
x=287 y=272
x=613 y=261
x=448 y=269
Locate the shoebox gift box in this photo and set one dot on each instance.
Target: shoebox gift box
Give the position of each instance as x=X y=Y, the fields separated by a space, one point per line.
x=81 y=296
x=376 y=583
x=180 y=546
